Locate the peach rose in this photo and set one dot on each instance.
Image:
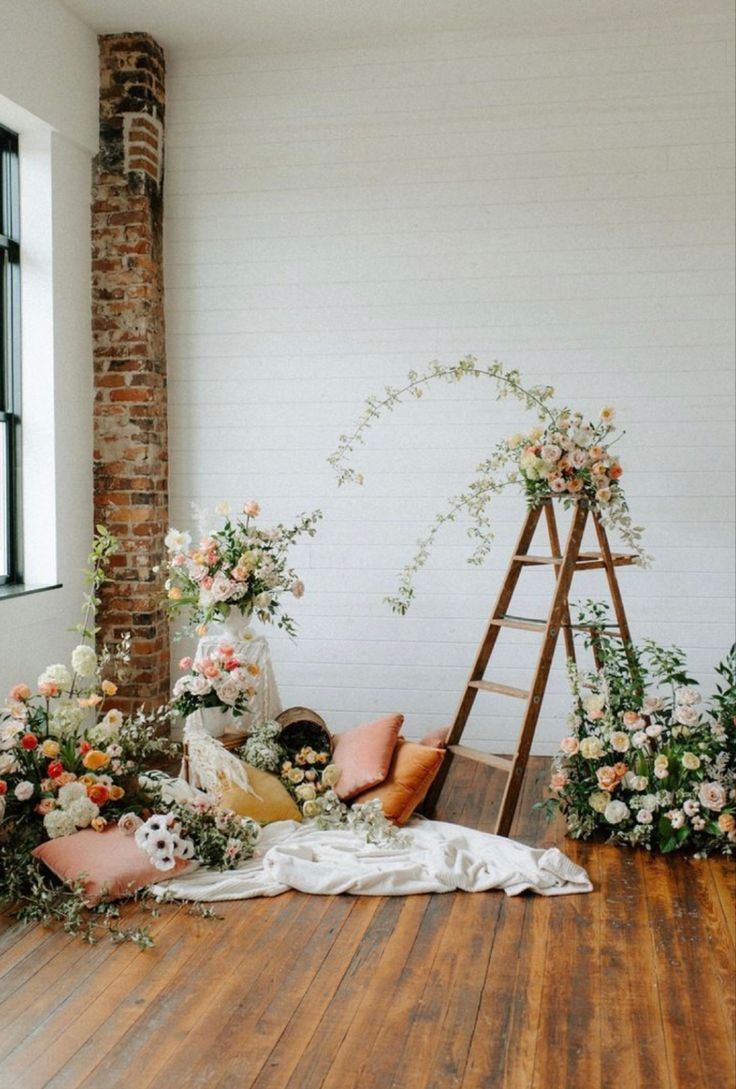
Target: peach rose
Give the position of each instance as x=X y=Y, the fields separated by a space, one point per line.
x=569 y=745
x=90 y=701
x=116 y=793
x=98 y=824
x=109 y=688
x=175 y=593
x=185 y=663
x=251 y=508
x=66 y=777
x=575 y=485
x=726 y=822
x=607 y=778
x=98 y=793
x=49 y=689
x=558 y=781
x=19 y=692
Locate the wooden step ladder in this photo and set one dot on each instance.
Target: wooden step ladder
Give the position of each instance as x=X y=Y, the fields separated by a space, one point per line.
x=564 y=566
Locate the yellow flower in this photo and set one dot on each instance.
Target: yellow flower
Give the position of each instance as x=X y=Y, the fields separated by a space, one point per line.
x=50 y=748
x=99 y=824
x=116 y=793
x=109 y=688
x=536 y=432
x=598 y=800
x=88 y=779
x=94 y=759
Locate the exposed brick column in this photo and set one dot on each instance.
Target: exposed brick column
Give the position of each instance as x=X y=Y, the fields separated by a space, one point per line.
x=131 y=454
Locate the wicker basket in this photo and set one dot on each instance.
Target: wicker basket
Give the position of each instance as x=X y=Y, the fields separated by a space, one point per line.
x=300 y=727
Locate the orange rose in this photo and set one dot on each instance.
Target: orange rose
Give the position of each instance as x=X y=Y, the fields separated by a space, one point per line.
x=620 y=770
x=615 y=472
x=94 y=759
x=607 y=778
x=98 y=793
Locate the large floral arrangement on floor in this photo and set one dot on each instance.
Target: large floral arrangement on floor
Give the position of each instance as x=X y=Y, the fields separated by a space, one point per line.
x=564 y=455
x=647 y=760
x=220 y=679
x=238 y=565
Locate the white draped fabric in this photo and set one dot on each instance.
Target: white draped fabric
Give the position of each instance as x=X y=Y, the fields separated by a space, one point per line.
x=440 y=857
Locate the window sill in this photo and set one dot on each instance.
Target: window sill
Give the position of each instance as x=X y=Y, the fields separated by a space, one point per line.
x=20 y=590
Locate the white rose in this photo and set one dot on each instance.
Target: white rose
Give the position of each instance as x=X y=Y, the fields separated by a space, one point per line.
x=228 y=691
x=712 y=796
x=639 y=739
x=222 y=587
x=8 y=763
x=23 y=791
x=56 y=674
x=551 y=453
x=591 y=748
x=615 y=812
x=84 y=660
x=686 y=715
x=653 y=730
x=331 y=775
x=651 y=704
x=183 y=685
x=199 y=686
x=644 y=816
x=688 y=697
x=649 y=801
x=581 y=436
x=9 y=734
x=177 y=541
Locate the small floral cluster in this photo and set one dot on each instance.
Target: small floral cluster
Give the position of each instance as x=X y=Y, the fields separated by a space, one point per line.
x=655 y=770
x=562 y=456
x=220 y=679
x=237 y=565
x=307 y=773
x=220 y=839
x=162 y=839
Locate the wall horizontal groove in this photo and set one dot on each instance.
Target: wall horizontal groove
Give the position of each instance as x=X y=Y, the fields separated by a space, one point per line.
x=559 y=199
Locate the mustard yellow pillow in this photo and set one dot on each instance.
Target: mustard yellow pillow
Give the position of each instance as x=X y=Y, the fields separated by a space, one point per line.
x=270 y=802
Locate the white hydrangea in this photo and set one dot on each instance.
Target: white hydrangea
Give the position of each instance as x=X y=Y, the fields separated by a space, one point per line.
x=71 y=792
x=83 y=812
x=66 y=719
x=56 y=674
x=59 y=823
x=84 y=660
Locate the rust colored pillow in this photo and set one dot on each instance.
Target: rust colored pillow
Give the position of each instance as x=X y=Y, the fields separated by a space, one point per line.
x=111 y=864
x=410 y=776
x=363 y=755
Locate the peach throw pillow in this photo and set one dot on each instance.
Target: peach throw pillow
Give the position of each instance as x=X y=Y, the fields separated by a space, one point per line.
x=363 y=755
x=111 y=864
x=410 y=776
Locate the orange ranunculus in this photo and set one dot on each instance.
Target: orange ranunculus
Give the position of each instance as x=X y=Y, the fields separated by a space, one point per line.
x=94 y=759
x=116 y=793
x=615 y=472
x=98 y=824
x=55 y=769
x=84 y=746
x=98 y=793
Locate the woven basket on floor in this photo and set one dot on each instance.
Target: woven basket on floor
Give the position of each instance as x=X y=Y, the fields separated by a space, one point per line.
x=300 y=727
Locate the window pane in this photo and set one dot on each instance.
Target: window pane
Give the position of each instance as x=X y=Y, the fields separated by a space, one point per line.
x=4 y=558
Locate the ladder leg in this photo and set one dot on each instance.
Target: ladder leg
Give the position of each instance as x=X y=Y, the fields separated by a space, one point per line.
x=484 y=652
x=554 y=541
x=534 y=704
x=616 y=598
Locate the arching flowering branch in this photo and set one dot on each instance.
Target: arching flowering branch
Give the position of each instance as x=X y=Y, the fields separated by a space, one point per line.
x=563 y=456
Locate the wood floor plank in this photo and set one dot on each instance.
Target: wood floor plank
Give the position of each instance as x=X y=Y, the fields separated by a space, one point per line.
x=631 y=987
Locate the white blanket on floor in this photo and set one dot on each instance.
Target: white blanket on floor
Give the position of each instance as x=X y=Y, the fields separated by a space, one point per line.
x=441 y=857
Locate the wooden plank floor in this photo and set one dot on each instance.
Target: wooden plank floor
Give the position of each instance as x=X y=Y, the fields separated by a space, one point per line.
x=632 y=986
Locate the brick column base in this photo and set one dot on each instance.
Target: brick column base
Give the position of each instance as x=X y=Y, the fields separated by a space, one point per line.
x=131 y=453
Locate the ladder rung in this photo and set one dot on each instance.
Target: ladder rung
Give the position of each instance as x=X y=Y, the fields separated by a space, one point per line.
x=519 y=622
x=525 y=558
x=502 y=689
x=501 y=762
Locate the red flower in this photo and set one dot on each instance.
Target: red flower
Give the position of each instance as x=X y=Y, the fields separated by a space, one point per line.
x=231 y=664
x=29 y=741
x=55 y=769
x=84 y=747
x=98 y=793
x=3 y=787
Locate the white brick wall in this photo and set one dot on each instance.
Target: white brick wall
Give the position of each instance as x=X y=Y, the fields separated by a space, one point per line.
x=561 y=200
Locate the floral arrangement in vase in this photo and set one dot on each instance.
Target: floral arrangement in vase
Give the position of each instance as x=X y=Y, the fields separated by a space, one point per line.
x=238 y=566
x=219 y=682
x=563 y=456
x=650 y=768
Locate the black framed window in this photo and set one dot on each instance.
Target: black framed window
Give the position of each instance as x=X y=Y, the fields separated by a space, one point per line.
x=10 y=561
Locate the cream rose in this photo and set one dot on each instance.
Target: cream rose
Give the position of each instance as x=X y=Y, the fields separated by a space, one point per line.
x=620 y=741
x=690 y=761
x=591 y=748
x=598 y=800
x=616 y=812
x=712 y=796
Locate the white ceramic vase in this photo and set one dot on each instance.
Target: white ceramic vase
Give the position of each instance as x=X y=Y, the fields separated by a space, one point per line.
x=210 y=720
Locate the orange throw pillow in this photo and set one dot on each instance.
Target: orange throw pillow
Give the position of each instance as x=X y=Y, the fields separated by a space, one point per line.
x=410 y=776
